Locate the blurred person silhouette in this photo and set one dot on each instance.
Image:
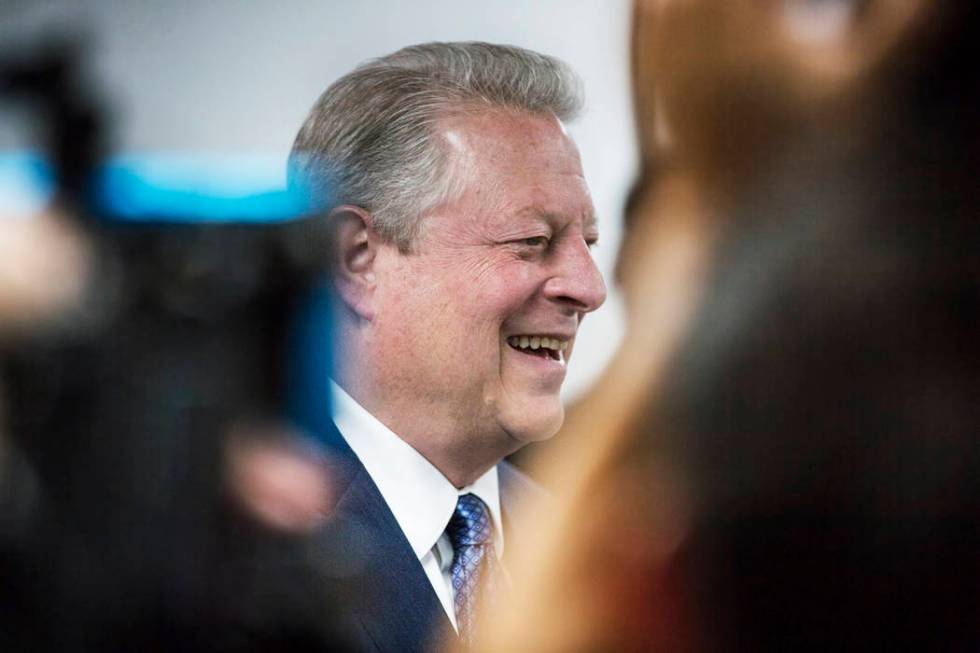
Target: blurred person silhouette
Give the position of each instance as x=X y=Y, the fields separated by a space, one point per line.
x=783 y=455
x=144 y=457
x=71 y=505
x=78 y=514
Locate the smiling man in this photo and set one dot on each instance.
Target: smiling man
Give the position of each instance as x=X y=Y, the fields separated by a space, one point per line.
x=462 y=272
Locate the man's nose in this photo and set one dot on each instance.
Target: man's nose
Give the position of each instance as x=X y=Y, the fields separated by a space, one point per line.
x=576 y=281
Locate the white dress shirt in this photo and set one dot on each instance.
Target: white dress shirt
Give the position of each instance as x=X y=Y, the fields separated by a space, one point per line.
x=419 y=496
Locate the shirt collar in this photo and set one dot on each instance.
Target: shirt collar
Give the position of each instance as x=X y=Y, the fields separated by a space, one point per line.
x=419 y=496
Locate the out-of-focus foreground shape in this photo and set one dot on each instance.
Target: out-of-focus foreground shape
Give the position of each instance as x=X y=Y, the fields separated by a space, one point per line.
x=782 y=452
x=43 y=268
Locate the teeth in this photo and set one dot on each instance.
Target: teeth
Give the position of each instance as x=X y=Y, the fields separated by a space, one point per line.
x=537 y=342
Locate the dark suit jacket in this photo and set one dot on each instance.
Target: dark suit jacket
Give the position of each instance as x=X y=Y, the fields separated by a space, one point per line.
x=389 y=602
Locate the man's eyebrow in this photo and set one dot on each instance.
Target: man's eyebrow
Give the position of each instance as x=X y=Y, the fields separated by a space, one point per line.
x=589 y=220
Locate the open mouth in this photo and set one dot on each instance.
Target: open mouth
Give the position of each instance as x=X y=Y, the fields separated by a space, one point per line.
x=540 y=346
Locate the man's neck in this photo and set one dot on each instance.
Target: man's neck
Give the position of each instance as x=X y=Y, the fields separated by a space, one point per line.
x=460 y=455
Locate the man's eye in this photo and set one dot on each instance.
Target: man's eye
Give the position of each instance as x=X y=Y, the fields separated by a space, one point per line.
x=535 y=241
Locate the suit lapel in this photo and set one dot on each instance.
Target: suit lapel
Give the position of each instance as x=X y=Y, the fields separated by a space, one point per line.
x=394 y=600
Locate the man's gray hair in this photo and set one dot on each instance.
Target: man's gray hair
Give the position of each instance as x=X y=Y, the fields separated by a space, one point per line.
x=369 y=139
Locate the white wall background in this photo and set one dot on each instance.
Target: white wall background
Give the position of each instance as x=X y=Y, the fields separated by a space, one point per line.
x=239 y=76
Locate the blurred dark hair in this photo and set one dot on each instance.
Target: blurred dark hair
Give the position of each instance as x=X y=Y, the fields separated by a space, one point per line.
x=826 y=403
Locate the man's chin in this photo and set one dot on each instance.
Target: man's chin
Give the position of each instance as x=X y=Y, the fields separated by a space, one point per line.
x=534 y=425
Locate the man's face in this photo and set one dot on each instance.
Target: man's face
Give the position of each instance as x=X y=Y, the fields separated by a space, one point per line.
x=475 y=327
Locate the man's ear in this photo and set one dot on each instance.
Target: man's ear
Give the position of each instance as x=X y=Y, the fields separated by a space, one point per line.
x=355 y=254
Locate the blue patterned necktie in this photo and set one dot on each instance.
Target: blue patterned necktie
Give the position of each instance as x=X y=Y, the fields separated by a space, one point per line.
x=470 y=531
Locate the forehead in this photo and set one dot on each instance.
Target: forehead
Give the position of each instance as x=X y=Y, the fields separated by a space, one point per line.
x=517 y=165
x=502 y=141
